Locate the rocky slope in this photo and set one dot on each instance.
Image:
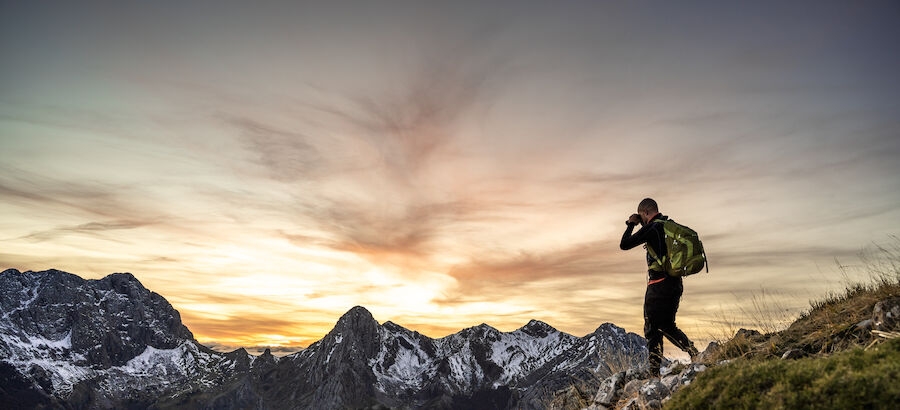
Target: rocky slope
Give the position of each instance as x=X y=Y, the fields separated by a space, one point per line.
x=75 y=343
x=842 y=353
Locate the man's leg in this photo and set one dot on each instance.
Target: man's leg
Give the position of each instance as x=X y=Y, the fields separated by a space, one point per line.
x=680 y=340
x=671 y=331
x=654 y=337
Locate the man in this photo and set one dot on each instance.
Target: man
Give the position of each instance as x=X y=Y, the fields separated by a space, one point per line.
x=663 y=291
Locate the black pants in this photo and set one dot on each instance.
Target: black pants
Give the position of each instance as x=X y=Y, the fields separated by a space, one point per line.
x=659 y=321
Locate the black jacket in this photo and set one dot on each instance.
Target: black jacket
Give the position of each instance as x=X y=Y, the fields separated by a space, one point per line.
x=652 y=234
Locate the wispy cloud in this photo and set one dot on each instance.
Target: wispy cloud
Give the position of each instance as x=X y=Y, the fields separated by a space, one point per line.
x=439 y=162
x=31 y=189
x=91 y=228
x=573 y=260
x=285 y=155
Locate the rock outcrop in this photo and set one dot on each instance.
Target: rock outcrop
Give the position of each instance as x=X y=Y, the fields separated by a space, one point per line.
x=638 y=391
x=886 y=315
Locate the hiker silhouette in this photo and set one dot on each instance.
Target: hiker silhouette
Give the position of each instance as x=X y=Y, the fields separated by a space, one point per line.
x=663 y=291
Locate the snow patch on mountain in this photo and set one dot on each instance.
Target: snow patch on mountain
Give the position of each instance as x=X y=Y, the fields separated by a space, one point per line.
x=400 y=362
x=518 y=353
x=30 y=354
x=116 y=342
x=55 y=360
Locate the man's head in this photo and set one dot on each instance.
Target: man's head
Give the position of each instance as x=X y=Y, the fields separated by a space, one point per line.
x=647 y=209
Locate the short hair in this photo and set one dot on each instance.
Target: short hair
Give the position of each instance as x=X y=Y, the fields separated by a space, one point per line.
x=648 y=205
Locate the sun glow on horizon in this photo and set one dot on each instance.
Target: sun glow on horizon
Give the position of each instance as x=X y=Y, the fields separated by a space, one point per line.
x=444 y=164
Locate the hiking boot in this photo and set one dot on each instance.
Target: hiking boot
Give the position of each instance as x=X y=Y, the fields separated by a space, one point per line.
x=693 y=352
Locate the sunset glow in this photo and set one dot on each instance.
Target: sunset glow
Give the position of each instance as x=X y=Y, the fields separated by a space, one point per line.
x=445 y=166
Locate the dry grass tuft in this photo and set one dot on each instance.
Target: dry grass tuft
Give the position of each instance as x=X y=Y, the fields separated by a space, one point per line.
x=830 y=325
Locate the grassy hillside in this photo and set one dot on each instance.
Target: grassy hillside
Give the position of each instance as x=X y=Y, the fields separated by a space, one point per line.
x=857 y=378
x=844 y=364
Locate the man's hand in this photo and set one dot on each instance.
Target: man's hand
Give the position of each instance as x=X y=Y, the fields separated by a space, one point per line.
x=633 y=219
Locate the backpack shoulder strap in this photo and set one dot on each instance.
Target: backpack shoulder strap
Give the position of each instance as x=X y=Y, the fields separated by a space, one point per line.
x=659 y=259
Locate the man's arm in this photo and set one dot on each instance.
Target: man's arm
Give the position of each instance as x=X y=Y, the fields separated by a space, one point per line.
x=630 y=241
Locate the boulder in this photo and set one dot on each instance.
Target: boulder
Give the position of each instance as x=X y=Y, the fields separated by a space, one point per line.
x=886 y=315
x=631 y=405
x=672 y=382
x=748 y=334
x=671 y=368
x=631 y=388
x=712 y=350
x=636 y=373
x=793 y=354
x=688 y=375
x=653 y=404
x=864 y=325
x=652 y=390
x=609 y=388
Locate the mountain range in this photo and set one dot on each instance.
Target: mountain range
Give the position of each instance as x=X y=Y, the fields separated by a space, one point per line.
x=69 y=342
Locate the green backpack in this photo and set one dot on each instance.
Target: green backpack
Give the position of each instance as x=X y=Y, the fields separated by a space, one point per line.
x=684 y=254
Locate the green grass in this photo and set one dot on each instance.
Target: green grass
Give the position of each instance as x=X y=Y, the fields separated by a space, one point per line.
x=829 y=326
x=840 y=372
x=853 y=379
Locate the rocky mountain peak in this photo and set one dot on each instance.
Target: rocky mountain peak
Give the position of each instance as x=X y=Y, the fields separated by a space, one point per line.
x=102 y=322
x=393 y=327
x=356 y=314
x=607 y=328
x=482 y=333
x=111 y=340
x=356 y=328
x=484 y=328
x=537 y=328
x=123 y=279
x=356 y=321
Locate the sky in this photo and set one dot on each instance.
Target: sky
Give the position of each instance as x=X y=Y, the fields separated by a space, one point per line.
x=267 y=166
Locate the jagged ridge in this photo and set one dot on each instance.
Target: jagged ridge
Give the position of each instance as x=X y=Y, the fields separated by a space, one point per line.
x=53 y=320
